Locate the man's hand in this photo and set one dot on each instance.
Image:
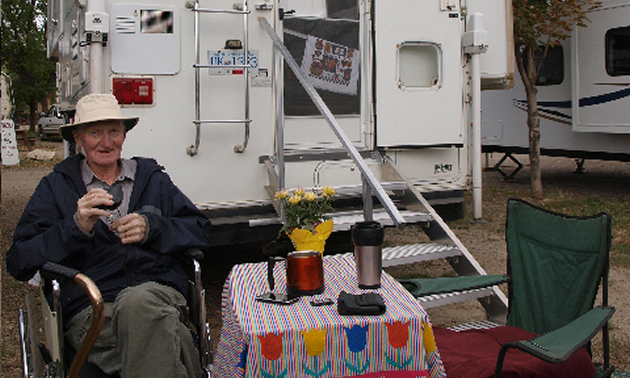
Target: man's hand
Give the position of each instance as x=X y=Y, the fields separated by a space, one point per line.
x=88 y=212
x=130 y=228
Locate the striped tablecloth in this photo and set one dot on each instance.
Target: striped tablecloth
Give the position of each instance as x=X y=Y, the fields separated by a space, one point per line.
x=269 y=340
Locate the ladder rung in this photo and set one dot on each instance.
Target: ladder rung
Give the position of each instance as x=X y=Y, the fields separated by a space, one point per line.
x=228 y=11
x=345 y=220
x=222 y=121
x=356 y=190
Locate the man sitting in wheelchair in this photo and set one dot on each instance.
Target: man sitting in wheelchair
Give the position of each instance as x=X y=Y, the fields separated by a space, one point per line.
x=128 y=249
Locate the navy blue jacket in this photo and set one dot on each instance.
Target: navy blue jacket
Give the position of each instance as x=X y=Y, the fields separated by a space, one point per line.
x=47 y=232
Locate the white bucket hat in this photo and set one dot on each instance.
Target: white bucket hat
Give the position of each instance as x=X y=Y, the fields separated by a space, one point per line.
x=94 y=108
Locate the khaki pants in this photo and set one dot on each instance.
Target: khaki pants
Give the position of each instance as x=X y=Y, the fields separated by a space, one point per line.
x=144 y=334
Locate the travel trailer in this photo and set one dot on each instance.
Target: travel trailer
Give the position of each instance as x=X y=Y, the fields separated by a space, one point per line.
x=583 y=95
x=238 y=101
x=222 y=126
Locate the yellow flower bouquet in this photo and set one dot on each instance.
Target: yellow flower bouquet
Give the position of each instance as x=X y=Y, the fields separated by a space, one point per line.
x=305 y=221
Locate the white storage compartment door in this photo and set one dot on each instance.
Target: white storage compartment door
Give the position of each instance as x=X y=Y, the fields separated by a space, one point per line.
x=601 y=71
x=145 y=39
x=418 y=58
x=497 y=63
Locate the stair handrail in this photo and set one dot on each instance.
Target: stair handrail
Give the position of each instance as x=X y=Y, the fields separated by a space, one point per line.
x=368 y=176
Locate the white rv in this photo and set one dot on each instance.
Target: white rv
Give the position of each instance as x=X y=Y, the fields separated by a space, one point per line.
x=583 y=95
x=231 y=130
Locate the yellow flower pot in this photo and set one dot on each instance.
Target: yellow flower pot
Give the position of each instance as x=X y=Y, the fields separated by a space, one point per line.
x=305 y=240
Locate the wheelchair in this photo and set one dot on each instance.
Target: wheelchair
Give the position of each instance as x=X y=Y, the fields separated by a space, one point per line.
x=53 y=360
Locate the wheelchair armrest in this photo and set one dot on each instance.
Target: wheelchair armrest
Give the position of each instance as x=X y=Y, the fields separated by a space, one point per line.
x=62 y=273
x=194 y=253
x=52 y=271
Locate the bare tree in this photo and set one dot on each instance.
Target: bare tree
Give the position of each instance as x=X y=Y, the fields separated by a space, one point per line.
x=538 y=25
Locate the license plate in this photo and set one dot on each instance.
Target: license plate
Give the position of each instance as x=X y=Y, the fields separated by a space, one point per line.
x=227 y=59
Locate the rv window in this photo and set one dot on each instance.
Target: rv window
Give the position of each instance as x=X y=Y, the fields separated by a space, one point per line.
x=343 y=9
x=156 y=22
x=552 y=69
x=418 y=65
x=618 y=51
x=327 y=51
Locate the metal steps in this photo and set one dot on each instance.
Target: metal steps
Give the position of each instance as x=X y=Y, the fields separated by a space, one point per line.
x=345 y=220
x=415 y=209
x=438 y=300
x=412 y=253
x=381 y=183
x=483 y=324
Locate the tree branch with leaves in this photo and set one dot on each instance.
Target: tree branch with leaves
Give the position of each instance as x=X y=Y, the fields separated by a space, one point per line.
x=24 y=55
x=539 y=25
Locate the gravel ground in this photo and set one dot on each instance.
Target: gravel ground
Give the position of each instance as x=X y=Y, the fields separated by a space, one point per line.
x=484 y=240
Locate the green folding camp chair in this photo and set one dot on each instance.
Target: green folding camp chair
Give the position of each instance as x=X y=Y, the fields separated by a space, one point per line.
x=555 y=266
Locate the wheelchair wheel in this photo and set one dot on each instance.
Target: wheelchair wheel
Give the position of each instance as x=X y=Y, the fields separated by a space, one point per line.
x=36 y=361
x=32 y=363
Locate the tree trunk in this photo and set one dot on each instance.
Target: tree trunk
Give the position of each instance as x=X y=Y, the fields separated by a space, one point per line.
x=527 y=68
x=533 y=122
x=33 y=117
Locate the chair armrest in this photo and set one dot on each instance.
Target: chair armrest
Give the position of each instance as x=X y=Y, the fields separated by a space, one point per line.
x=420 y=287
x=194 y=253
x=52 y=271
x=559 y=345
x=62 y=273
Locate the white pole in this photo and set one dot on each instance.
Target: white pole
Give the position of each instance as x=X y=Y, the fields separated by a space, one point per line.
x=476 y=137
x=475 y=44
x=96 y=51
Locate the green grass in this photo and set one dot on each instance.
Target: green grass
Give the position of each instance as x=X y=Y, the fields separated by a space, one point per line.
x=558 y=200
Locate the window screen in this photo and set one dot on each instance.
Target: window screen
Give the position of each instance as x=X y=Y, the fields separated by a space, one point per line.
x=552 y=69
x=328 y=52
x=618 y=51
x=343 y=9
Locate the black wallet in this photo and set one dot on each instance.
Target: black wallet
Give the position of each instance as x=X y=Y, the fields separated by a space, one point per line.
x=362 y=304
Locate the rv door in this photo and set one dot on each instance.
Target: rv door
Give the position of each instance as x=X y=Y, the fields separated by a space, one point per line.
x=418 y=63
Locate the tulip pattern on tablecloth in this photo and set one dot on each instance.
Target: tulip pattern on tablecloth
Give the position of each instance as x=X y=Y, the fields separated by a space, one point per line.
x=271 y=349
x=315 y=364
x=315 y=343
x=398 y=337
x=357 y=340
